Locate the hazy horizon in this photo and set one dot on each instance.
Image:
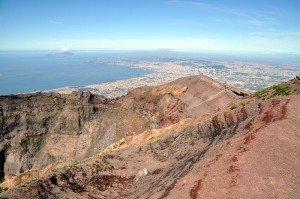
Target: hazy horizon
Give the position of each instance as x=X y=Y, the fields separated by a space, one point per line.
x=52 y=44
x=179 y=25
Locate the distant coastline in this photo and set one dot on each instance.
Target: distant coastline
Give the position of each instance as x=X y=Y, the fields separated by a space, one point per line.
x=26 y=73
x=113 y=74
x=249 y=76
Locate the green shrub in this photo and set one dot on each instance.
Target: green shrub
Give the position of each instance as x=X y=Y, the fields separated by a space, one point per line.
x=282 y=89
x=25 y=143
x=261 y=94
x=245 y=103
x=51 y=157
x=36 y=143
x=233 y=107
x=74 y=164
x=152 y=138
x=4 y=189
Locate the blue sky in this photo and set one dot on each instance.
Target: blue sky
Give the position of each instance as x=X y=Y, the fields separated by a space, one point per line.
x=265 y=26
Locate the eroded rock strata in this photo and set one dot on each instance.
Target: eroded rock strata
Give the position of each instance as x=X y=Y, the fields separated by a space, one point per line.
x=192 y=138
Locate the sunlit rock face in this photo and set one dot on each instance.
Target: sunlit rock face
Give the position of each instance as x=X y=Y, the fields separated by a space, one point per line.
x=49 y=128
x=156 y=142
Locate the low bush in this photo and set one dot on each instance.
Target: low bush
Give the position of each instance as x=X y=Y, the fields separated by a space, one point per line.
x=233 y=107
x=3 y=189
x=25 y=143
x=35 y=143
x=282 y=89
x=261 y=94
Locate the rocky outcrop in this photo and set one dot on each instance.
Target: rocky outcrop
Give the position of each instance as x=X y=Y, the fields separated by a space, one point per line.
x=42 y=129
x=218 y=155
x=249 y=149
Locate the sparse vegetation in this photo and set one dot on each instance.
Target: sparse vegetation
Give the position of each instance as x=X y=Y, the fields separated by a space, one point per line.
x=102 y=165
x=245 y=103
x=22 y=101
x=25 y=143
x=233 y=106
x=65 y=168
x=51 y=157
x=150 y=97
x=74 y=164
x=282 y=89
x=35 y=143
x=152 y=138
x=261 y=94
x=147 y=122
x=4 y=189
x=135 y=105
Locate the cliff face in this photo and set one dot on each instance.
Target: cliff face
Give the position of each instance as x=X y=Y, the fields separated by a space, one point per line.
x=28 y=121
x=248 y=148
x=43 y=129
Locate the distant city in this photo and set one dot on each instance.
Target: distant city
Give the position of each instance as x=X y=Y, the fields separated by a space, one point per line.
x=248 y=75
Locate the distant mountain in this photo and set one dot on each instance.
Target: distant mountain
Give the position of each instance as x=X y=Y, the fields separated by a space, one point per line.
x=62 y=52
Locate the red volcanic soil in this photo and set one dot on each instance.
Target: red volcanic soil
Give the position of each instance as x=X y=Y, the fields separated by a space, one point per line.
x=250 y=151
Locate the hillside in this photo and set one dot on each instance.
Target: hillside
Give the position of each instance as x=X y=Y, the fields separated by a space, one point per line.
x=191 y=138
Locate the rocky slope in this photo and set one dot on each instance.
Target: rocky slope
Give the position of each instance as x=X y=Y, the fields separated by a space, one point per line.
x=40 y=129
x=203 y=141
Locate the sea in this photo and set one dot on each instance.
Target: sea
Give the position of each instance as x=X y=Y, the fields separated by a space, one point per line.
x=33 y=71
x=23 y=72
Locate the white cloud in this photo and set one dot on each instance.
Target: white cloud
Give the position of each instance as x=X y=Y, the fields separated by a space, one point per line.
x=54 y=22
x=64 y=50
